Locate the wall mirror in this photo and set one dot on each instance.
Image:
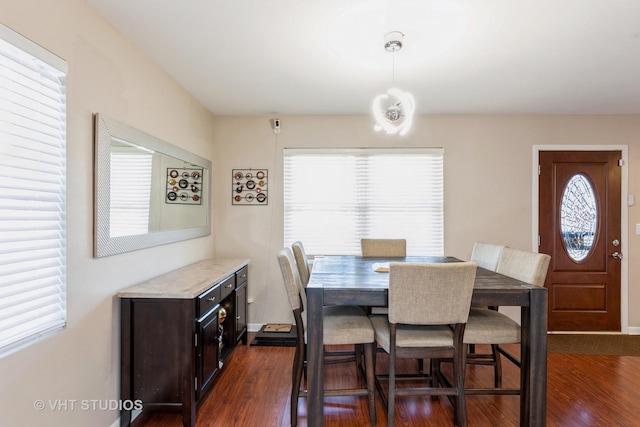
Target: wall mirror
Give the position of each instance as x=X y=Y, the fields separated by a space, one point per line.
x=147 y=192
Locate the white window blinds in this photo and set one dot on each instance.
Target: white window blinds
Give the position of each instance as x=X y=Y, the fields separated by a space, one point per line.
x=130 y=191
x=32 y=192
x=335 y=197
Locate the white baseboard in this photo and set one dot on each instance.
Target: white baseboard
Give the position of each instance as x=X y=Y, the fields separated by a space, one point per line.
x=254 y=327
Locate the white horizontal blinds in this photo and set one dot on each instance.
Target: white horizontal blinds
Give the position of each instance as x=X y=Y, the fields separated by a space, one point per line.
x=130 y=191
x=32 y=193
x=333 y=198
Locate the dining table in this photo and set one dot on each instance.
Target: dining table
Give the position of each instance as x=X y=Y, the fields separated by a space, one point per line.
x=353 y=280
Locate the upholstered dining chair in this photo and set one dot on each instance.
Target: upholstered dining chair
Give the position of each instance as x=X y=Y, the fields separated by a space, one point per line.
x=486 y=255
x=342 y=325
x=488 y=326
x=383 y=248
x=428 y=309
x=303 y=263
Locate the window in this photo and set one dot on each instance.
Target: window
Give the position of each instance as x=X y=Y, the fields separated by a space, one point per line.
x=335 y=197
x=32 y=192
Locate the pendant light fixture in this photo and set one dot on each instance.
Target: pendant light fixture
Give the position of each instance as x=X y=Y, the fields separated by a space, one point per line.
x=394 y=109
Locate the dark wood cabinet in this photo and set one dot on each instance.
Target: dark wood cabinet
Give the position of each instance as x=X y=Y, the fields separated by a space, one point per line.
x=176 y=332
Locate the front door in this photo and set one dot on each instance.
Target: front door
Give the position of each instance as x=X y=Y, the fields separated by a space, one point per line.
x=579 y=226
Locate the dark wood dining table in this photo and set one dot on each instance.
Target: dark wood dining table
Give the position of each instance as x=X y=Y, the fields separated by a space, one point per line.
x=351 y=280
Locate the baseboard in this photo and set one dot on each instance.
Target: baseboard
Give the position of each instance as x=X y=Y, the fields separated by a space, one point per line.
x=254 y=327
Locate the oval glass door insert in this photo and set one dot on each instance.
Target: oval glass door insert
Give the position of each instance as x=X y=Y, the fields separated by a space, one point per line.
x=578 y=217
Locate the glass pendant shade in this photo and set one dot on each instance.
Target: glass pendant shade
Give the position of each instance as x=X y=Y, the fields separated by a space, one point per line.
x=393 y=111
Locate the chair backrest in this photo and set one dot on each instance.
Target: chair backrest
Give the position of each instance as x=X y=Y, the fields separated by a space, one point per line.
x=392 y=248
x=301 y=261
x=291 y=278
x=529 y=267
x=486 y=255
x=430 y=294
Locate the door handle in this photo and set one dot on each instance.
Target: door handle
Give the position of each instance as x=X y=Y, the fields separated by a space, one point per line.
x=616 y=255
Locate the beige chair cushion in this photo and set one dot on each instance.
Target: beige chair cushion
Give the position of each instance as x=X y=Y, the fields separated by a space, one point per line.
x=302 y=262
x=290 y=277
x=488 y=326
x=486 y=255
x=345 y=324
x=411 y=335
x=383 y=248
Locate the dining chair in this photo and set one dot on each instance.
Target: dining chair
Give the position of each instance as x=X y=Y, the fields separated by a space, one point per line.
x=303 y=263
x=486 y=255
x=428 y=309
x=488 y=326
x=383 y=248
x=342 y=325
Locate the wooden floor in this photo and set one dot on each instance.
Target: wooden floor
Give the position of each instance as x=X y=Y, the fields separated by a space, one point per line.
x=253 y=390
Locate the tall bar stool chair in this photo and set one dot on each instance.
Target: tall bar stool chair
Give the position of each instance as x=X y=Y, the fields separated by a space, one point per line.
x=487 y=326
x=304 y=270
x=383 y=248
x=342 y=325
x=428 y=309
x=486 y=255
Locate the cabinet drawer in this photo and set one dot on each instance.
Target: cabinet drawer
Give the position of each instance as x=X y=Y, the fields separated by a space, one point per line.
x=209 y=299
x=241 y=275
x=227 y=286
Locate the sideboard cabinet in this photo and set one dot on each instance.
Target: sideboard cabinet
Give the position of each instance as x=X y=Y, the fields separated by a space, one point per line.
x=177 y=329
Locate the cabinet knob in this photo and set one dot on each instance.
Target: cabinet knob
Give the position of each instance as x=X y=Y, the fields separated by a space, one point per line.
x=237 y=317
x=212 y=299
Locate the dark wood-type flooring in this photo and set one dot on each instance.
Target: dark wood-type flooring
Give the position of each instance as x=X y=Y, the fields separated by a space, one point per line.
x=253 y=391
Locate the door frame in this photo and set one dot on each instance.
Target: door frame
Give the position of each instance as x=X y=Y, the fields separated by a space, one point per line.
x=624 y=226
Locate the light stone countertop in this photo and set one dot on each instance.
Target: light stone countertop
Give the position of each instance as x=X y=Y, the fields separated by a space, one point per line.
x=186 y=282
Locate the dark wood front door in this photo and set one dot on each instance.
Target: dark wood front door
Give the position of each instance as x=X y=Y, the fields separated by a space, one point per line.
x=579 y=226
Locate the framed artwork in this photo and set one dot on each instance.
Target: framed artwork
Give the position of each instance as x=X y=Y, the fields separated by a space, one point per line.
x=249 y=186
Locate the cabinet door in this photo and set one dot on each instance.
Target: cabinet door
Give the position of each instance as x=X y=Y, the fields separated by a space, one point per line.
x=241 y=313
x=207 y=350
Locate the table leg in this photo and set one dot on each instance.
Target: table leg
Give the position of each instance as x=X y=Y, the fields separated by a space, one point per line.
x=533 y=374
x=315 y=367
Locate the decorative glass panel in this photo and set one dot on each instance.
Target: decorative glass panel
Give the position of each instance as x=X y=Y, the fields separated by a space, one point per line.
x=578 y=217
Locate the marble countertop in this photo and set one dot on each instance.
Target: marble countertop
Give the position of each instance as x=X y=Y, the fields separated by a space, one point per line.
x=186 y=282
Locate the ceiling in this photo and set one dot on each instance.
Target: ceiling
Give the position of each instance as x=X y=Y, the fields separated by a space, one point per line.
x=255 y=57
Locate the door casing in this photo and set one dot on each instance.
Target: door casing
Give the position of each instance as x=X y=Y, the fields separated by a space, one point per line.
x=624 y=227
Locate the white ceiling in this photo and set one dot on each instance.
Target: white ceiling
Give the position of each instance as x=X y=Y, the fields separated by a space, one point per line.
x=248 y=57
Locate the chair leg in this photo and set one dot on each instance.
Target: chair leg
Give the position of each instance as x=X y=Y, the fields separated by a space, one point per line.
x=296 y=379
x=369 y=356
x=497 y=368
x=460 y=407
x=391 y=400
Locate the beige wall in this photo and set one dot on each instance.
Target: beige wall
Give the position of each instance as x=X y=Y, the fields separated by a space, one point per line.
x=488 y=197
x=488 y=182
x=106 y=75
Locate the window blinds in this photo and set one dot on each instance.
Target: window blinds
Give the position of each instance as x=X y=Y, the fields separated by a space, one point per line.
x=130 y=199
x=335 y=197
x=32 y=192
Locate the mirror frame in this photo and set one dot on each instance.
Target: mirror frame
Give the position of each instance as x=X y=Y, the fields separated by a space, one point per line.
x=105 y=130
